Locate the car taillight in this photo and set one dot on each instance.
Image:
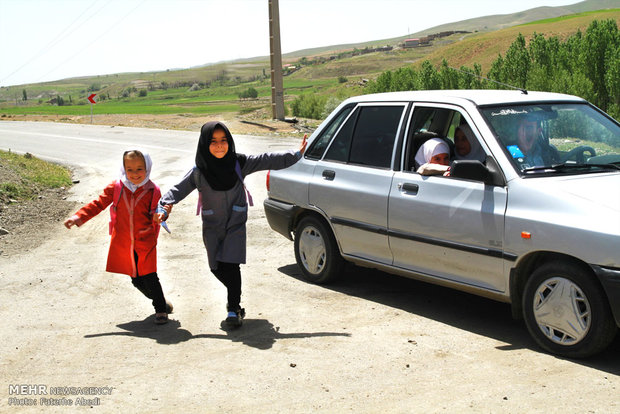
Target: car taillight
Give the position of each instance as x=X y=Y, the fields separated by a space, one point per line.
x=267 y=180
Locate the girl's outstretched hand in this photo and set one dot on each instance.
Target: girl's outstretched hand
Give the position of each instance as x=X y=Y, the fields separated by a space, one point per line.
x=162 y=215
x=304 y=144
x=70 y=222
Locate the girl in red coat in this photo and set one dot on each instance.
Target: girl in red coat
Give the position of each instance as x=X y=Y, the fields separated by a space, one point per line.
x=134 y=234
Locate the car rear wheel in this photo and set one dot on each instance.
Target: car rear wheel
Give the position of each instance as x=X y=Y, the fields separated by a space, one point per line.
x=316 y=251
x=566 y=311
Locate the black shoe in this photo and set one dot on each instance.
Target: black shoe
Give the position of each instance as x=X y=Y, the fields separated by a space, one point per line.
x=235 y=318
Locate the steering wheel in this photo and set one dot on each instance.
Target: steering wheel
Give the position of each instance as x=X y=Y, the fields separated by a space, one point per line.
x=579 y=154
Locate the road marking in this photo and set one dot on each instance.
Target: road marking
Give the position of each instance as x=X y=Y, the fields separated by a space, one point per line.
x=99 y=140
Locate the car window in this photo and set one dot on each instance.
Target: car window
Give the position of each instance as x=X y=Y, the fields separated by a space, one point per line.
x=339 y=147
x=562 y=138
x=320 y=144
x=368 y=137
x=428 y=123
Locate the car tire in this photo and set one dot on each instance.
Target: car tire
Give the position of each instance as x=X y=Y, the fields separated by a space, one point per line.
x=566 y=311
x=316 y=251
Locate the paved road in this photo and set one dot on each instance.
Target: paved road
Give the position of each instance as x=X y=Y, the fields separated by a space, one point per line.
x=368 y=343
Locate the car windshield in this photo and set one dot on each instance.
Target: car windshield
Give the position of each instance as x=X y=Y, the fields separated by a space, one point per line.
x=565 y=138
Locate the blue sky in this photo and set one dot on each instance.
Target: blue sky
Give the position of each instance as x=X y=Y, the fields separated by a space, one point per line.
x=43 y=40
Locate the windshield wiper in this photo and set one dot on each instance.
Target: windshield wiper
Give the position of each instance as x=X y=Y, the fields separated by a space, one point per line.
x=565 y=167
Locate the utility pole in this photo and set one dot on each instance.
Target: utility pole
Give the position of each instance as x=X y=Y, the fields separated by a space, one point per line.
x=277 y=88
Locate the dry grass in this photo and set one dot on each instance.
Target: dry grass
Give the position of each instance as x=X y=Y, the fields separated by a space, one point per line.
x=484 y=48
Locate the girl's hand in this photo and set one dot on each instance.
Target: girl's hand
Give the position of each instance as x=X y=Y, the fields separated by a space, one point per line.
x=69 y=223
x=159 y=217
x=304 y=144
x=162 y=215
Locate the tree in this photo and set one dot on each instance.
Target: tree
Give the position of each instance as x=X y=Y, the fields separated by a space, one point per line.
x=517 y=63
x=448 y=77
x=612 y=78
x=25 y=95
x=600 y=42
x=429 y=79
x=249 y=93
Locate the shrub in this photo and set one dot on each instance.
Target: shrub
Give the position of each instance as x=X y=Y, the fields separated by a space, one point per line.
x=309 y=106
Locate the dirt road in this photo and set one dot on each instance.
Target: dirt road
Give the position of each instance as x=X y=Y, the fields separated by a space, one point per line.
x=368 y=343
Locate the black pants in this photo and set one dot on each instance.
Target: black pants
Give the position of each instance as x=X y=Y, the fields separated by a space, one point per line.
x=230 y=275
x=151 y=288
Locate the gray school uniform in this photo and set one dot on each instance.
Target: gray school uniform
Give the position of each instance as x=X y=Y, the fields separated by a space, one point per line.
x=224 y=213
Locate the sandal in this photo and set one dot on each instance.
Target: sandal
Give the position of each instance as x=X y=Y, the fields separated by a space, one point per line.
x=161 y=318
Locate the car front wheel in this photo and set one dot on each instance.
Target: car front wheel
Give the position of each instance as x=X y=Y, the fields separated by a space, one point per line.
x=316 y=251
x=566 y=311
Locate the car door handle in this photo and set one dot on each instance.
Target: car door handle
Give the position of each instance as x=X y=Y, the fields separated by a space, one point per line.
x=409 y=188
x=329 y=174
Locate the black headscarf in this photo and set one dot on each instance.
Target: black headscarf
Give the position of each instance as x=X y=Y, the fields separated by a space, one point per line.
x=219 y=172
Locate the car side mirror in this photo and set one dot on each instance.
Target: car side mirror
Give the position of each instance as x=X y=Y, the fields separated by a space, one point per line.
x=469 y=170
x=477 y=171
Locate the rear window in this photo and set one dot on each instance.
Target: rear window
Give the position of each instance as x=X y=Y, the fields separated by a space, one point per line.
x=318 y=147
x=368 y=137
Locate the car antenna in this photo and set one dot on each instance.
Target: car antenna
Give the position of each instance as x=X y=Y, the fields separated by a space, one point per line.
x=523 y=90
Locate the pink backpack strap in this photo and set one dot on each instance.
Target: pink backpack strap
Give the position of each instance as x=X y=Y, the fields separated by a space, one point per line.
x=116 y=198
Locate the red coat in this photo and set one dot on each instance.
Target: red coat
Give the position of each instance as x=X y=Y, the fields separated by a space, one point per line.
x=133 y=230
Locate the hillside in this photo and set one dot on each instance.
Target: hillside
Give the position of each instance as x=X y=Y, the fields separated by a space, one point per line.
x=483 y=48
x=479 y=24
x=332 y=70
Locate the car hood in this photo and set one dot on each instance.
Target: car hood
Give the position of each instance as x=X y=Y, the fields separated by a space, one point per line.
x=600 y=189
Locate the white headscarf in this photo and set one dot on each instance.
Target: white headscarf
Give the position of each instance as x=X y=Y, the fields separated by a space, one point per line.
x=148 y=164
x=476 y=152
x=431 y=148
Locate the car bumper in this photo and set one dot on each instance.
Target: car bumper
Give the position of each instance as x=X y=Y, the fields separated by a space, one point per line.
x=280 y=216
x=610 y=279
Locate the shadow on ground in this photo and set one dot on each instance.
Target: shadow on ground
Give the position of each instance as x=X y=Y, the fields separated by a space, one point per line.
x=462 y=310
x=256 y=333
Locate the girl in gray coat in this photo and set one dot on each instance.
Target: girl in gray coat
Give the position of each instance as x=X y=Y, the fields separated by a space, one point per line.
x=218 y=176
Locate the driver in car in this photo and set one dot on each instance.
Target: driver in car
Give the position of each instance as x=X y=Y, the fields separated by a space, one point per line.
x=529 y=151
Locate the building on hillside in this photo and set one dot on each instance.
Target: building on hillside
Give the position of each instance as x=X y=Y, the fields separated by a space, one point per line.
x=411 y=43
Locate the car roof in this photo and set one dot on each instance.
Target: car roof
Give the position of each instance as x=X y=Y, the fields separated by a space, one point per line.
x=476 y=96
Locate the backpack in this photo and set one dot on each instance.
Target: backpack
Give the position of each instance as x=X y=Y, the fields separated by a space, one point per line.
x=237 y=170
x=118 y=192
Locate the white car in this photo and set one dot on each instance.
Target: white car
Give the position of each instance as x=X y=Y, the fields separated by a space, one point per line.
x=534 y=221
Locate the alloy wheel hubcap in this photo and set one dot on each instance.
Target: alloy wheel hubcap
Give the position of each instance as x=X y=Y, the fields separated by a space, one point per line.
x=562 y=311
x=312 y=250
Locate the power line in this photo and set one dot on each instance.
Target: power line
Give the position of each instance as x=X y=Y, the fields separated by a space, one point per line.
x=523 y=90
x=94 y=41
x=59 y=37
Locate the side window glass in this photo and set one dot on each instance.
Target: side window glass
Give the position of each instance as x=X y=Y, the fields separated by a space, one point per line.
x=320 y=144
x=430 y=123
x=339 y=148
x=375 y=134
x=466 y=144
